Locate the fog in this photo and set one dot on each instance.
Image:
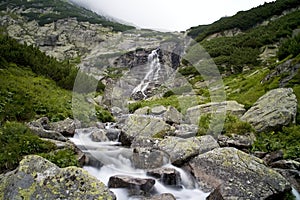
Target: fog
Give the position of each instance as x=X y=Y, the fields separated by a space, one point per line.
x=173 y=15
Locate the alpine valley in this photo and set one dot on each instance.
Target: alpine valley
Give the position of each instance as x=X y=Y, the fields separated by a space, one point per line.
x=91 y=108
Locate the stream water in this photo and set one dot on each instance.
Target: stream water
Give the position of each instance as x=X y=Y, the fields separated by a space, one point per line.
x=116 y=160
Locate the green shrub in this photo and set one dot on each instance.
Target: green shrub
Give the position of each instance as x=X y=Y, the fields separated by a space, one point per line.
x=62 y=158
x=104 y=115
x=16 y=141
x=288 y=140
x=168 y=94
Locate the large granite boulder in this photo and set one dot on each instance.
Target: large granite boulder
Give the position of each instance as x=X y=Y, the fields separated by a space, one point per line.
x=167 y=176
x=232 y=174
x=179 y=149
x=135 y=186
x=143 y=126
x=37 y=178
x=38 y=127
x=165 y=196
x=66 y=127
x=193 y=114
x=276 y=108
x=149 y=158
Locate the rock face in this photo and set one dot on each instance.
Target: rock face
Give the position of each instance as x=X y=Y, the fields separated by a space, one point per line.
x=143 y=126
x=194 y=113
x=136 y=186
x=160 y=197
x=233 y=174
x=37 y=178
x=179 y=149
x=275 y=109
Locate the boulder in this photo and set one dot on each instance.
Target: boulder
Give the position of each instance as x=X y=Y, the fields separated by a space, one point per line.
x=136 y=186
x=165 y=196
x=143 y=111
x=186 y=130
x=273 y=157
x=66 y=127
x=149 y=158
x=207 y=143
x=172 y=116
x=167 y=176
x=193 y=114
x=37 y=128
x=273 y=110
x=292 y=175
x=241 y=142
x=144 y=142
x=113 y=134
x=143 y=126
x=158 y=110
x=179 y=149
x=233 y=174
x=99 y=136
x=37 y=178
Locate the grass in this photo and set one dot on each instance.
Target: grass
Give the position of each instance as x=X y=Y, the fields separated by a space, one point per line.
x=181 y=103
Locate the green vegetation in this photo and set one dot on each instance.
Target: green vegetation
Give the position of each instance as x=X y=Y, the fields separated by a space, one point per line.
x=232 y=125
x=16 y=141
x=60 y=10
x=231 y=54
x=288 y=140
x=290 y=46
x=25 y=96
x=181 y=103
x=62 y=158
x=244 y=20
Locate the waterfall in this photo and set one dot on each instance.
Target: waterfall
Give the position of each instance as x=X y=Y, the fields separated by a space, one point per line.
x=152 y=75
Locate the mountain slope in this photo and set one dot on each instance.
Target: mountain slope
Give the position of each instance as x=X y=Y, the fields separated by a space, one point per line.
x=244 y=20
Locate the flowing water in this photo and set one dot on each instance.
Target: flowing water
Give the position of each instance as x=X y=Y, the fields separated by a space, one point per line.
x=116 y=160
x=152 y=75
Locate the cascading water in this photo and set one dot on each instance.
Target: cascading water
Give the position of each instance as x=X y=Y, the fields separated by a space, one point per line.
x=116 y=160
x=152 y=75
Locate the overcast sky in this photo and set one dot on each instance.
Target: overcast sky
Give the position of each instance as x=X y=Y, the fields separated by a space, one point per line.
x=173 y=15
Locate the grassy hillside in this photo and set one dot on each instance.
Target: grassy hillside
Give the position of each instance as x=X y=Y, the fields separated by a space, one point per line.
x=45 y=12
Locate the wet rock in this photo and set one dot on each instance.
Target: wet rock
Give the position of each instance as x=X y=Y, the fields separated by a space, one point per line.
x=193 y=114
x=99 y=136
x=179 y=149
x=165 y=196
x=149 y=158
x=273 y=110
x=143 y=126
x=37 y=178
x=233 y=174
x=66 y=127
x=241 y=142
x=113 y=134
x=207 y=143
x=136 y=186
x=167 y=176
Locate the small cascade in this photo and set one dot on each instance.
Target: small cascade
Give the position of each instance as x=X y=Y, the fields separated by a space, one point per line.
x=152 y=76
x=116 y=160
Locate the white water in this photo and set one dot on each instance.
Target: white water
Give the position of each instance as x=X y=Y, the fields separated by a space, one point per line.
x=116 y=160
x=152 y=73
